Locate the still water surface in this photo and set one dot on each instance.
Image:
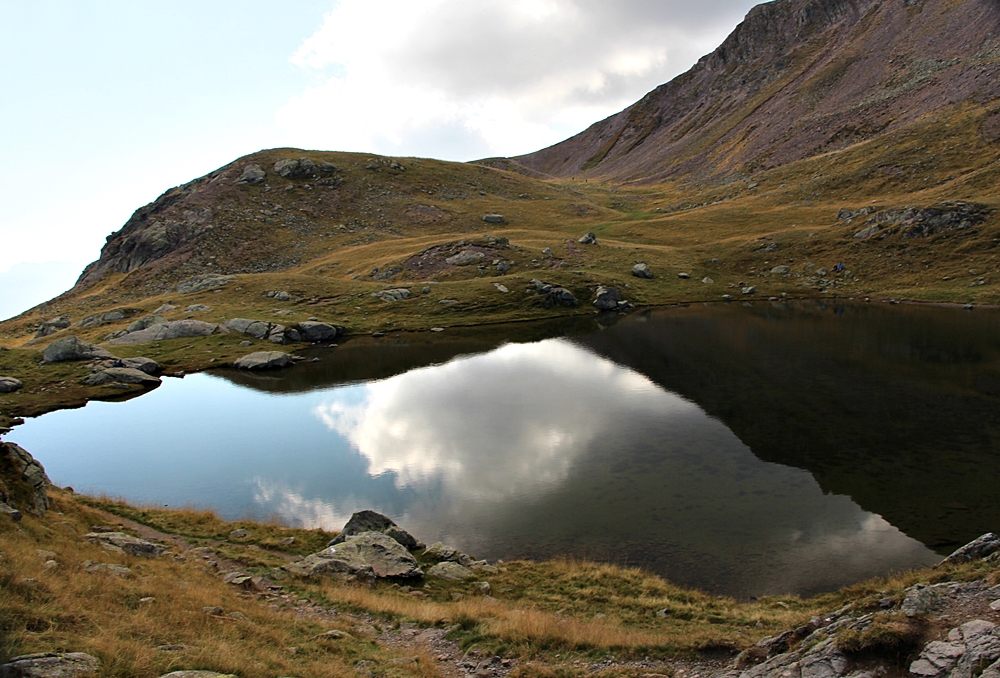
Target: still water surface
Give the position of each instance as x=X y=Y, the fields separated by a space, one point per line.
x=743 y=450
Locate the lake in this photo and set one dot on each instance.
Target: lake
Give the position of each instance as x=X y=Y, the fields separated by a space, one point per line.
x=745 y=449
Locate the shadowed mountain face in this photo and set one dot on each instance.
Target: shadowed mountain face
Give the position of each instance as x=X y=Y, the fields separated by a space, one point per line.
x=796 y=79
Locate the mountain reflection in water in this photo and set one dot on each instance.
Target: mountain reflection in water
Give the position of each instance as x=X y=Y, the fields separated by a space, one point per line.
x=652 y=443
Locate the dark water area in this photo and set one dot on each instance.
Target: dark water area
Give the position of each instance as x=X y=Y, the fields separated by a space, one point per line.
x=742 y=449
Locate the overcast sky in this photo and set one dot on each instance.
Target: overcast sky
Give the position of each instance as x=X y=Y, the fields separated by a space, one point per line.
x=108 y=103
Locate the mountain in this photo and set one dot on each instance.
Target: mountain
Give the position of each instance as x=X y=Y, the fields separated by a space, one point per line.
x=795 y=80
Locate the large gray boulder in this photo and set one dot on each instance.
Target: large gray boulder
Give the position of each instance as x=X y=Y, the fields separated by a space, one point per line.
x=10 y=384
x=366 y=554
x=252 y=174
x=50 y=665
x=263 y=360
x=27 y=482
x=52 y=326
x=176 y=329
x=316 y=331
x=120 y=542
x=71 y=348
x=641 y=270
x=120 y=375
x=606 y=298
x=147 y=365
x=372 y=521
x=258 y=329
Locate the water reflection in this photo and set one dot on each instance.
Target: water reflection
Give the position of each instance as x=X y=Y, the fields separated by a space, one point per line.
x=743 y=450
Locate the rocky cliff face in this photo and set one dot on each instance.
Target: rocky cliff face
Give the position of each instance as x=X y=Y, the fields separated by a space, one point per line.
x=796 y=79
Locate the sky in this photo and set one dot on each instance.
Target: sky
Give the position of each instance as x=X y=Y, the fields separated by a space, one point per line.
x=106 y=104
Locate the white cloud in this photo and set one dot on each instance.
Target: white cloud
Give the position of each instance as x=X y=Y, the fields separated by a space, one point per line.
x=537 y=407
x=459 y=80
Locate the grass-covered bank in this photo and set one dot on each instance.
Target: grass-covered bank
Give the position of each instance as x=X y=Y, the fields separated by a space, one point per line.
x=573 y=615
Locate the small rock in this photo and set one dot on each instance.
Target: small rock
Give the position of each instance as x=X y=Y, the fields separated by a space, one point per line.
x=287 y=541
x=465 y=258
x=197 y=674
x=333 y=634
x=282 y=296
x=641 y=270
x=450 y=571
x=246 y=343
x=749 y=290
x=313 y=331
x=213 y=610
x=494 y=219
x=10 y=385
x=547 y=251
x=708 y=281
x=90 y=567
x=124 y=543
x=684 y=276
x=981 y=547
x=589 y=238
x=606 y=298
x=197 y=308
x=239 y=534
x=437 y=329
x=392 y=295
x=120 y=375
x=781 y=270
x=501 y=288
x=71 y=348
x=165 y=308
x=14 y=514
x=201 y=283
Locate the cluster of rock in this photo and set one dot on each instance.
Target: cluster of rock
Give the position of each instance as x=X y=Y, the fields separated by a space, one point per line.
x=106 y=369
x=609 y=299
x=823 y=648
x=915 y=222
x=262 y=329
x=396 y=294
x=288 y=168
x=552 y=295
x=372 y=546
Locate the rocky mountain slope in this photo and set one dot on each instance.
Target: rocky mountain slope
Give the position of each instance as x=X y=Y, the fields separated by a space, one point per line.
x=797 y=79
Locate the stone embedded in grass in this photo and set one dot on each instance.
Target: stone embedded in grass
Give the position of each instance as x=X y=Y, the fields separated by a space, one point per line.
x=684 y=276
x=312 y=331
x=264 y=360
x=201 y=283
x=10 y=384
x=749 y=290
x=465 y=258
x=197 y=674
x=50 y=665
x=91 y=567
x=450 y=571
x=177 y=329
x=392 y=295
x=14 y=514
x=119 y=542
x=239 y=534
x=52 y=326
x=589 y=238
x=781 y=270
x=71 y=348
x=494 y=219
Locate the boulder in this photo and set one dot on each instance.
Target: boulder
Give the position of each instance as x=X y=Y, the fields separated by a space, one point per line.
x=282 y=296
x=22 y=480
x=50 y=665
x=258 y=329
x=465 y=257
x=494 y=218
x=14 y=514
x=443 y=553
x=371 y=521
x=560 y=296
x=197 y=308
x=684 y=276
x=197 y=674
x=147 y=365
x=641 y=270
x=207 y=281
x=119 y=542
x=10 y=384
x=450 y=571
x=588 y=239
x=606 y=298
x=147 y=321
x=90 y=567
x=52 y=326
x=365 y=554
x=176 y=329
x=71 y=348
x=749 y=290
x=120 y=375
x=252 y=174
x=165 y=308
x=263 y=360
x=317 y=331
x=981 y=547
x=781 y=270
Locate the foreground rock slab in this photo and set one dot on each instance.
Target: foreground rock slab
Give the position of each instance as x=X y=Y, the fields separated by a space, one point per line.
x=370 y=554
x=263 y=360
x=120 y=542
x=10 y=384
x=50 y=665
x=120 y=375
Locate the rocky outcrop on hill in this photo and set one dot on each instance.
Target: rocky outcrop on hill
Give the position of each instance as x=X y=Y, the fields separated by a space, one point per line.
x=795 y=79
